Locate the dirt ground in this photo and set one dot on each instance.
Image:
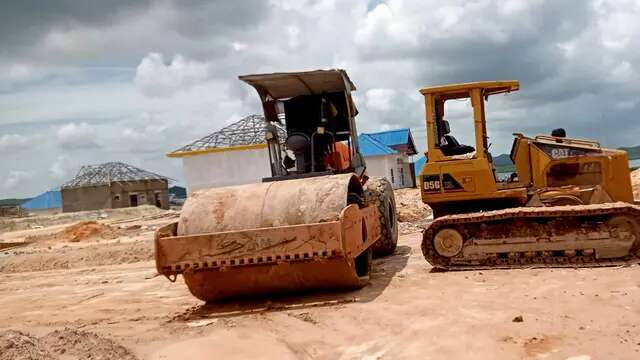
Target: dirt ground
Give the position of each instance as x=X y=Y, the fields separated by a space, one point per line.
x=99 y=298
x=635 y=181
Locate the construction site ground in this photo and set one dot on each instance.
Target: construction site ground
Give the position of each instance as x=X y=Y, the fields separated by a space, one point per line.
x=86 y=284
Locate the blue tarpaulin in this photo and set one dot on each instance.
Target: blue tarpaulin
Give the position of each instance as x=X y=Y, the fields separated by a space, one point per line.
x=48 y=200
x=418 y=164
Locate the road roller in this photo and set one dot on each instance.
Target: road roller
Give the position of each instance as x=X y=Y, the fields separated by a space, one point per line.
x=315 y=223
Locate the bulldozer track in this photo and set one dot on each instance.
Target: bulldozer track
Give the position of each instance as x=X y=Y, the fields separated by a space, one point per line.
x=532 y=216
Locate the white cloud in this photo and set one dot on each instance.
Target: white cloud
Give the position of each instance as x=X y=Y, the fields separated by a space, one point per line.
x=380 y=99
x=157 y=79
x=62 y=167
x=623 y=72
x=14 y=178
x=385 y=27
x=517 y=7
x=133 y=135
x=312 y=6
x=19 y=72
x=143 y=132
x=293 y=36
x=12 y=142
x=15 y=74
x=76 y=136
x=626 y=104
x=105 y=69
x=238 y=46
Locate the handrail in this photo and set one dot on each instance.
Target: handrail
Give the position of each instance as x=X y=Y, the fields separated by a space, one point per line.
x=569 y=141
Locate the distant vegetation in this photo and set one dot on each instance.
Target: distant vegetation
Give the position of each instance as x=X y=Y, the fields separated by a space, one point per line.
x=12 y=202
x=178 y=192
x=503 y=162
x=633 y=151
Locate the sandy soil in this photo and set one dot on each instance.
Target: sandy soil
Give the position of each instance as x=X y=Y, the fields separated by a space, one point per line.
x=36 y=221
x=78 y=244
x=101 y=298
x=83 y=285
x=66 y=343
x=413 y=214
x=635 y=181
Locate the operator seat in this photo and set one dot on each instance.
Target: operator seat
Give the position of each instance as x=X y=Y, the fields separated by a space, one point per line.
x=450 y=145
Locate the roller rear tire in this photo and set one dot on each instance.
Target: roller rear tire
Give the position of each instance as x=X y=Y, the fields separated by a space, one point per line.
x=379 y=192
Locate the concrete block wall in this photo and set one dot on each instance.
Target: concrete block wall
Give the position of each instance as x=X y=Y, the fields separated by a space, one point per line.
x=86 y=198
x=144 y=190
x=118 y=195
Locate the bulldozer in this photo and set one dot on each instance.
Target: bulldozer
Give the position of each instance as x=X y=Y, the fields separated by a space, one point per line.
x=315 y=223
x=569 y=202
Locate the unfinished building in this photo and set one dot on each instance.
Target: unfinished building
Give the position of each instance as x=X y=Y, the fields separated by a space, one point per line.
x=114 y=185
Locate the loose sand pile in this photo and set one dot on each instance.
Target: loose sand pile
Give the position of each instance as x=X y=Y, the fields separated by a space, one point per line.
x=84 y=345
x=60 y=344
x=36 y=221
x=87 y=243
x=635 y=181
x=410 y=205
x=413 y=214
x=98 y=254
x=18 y=345
x=86 y=230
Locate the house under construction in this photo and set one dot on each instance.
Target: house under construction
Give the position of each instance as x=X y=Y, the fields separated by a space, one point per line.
x=234 y=155
x=114 y=185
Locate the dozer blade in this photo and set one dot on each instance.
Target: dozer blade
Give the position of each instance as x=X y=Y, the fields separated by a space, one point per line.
x=270 y=238
x=559 y=236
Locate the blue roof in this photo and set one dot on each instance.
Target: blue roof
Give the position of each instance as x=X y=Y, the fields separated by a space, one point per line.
x=395 y=137
x=48 y=200
x=418 y=164
x=369 y=146
x=392 y=137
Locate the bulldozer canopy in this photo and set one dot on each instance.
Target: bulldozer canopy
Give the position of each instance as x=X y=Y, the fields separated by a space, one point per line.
x=457 y=91
x=287 y=85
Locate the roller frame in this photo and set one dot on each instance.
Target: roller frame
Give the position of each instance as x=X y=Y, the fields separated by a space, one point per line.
x=224 y=251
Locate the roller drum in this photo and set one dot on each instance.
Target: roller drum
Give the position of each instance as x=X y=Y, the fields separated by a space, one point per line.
x=281 y=204
x=270 y=204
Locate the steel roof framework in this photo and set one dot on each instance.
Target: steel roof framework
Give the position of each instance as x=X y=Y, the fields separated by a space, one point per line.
x=247 y=131
x=107 y=173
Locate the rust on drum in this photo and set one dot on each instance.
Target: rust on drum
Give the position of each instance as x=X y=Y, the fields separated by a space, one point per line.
x=270 y=237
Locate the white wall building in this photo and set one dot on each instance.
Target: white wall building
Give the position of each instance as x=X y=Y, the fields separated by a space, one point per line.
x=236 y=154
x=395 y=167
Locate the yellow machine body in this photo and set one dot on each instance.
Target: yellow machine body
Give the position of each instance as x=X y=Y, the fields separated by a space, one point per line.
x=469 y=182
x=567 y=203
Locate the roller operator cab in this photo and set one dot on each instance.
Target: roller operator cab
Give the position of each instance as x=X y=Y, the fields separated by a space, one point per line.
x=318 y=113
x=461 y=178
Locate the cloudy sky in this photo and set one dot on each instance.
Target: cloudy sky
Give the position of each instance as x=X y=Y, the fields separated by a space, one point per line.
x=86 y=82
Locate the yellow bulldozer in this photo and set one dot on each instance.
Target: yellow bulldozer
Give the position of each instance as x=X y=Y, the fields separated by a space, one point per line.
x=569 y=202
x=314 y=224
